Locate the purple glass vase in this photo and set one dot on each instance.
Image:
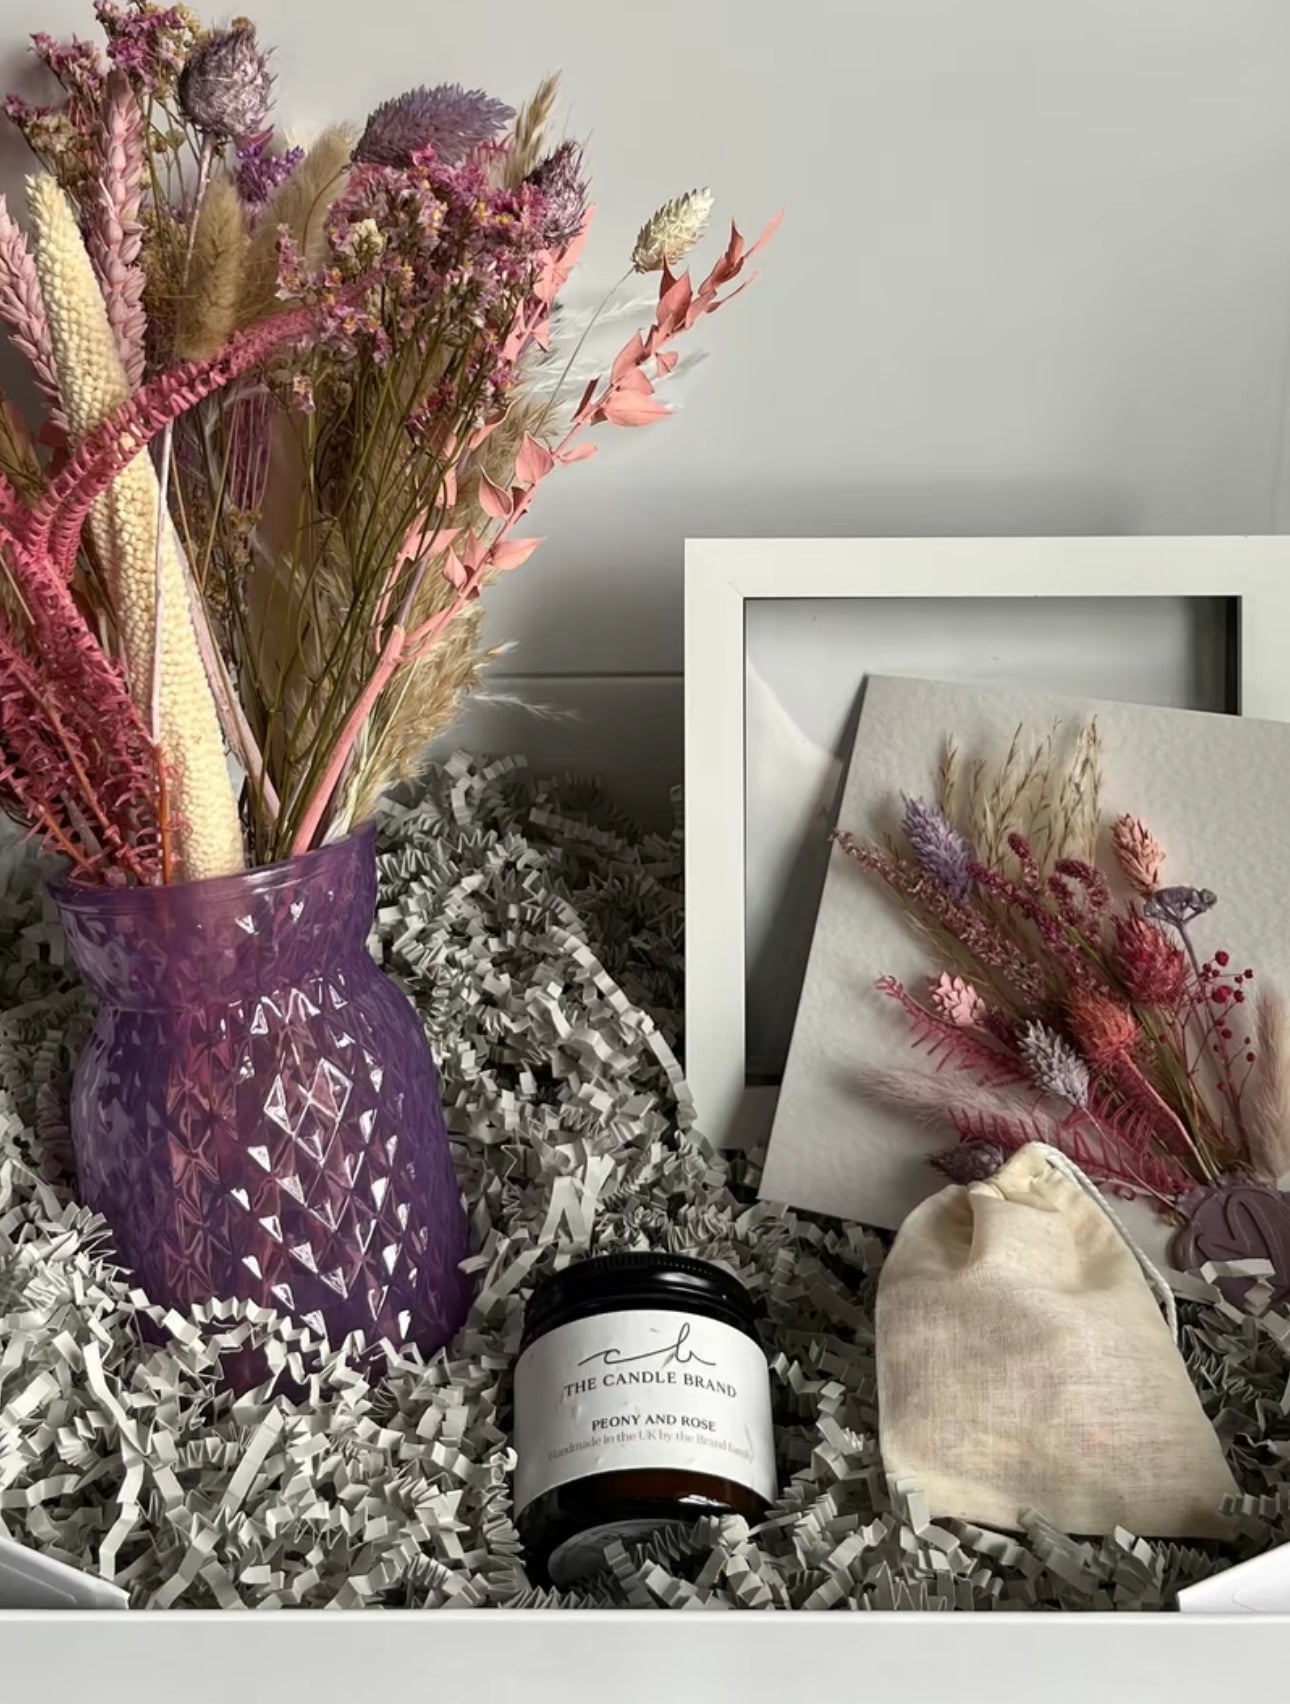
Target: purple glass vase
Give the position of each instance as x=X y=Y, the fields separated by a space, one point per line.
x=257 y=1113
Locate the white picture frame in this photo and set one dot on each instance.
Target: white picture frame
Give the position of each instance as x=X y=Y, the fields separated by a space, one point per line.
x=723 y=576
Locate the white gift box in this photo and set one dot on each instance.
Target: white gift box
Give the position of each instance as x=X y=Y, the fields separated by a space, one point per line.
x=640 y=1657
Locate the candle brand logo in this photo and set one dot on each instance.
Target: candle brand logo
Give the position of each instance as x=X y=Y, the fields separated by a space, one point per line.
x=670 y=1353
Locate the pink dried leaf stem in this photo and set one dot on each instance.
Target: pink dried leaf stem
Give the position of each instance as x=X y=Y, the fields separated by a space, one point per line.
x=391 y=656
x=114 y=236
x=626 y=399
x=22 y=312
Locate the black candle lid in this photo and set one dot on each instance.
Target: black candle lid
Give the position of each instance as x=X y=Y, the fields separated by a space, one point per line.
x=611 y=1283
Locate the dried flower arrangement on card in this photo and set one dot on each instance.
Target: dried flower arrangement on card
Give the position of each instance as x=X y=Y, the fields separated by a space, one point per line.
x=351 y=357
x=1079 y=999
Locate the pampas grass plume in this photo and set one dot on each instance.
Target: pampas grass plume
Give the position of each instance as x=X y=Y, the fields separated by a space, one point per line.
x=1268 y=1120
x=527 y=144
x=302 y=205
x=208 y=311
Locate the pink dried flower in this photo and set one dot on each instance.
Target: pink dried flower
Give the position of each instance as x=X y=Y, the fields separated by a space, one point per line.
x=77 y=65
x=1104 y=1029
x=1140 y=854
x=1021 y=849
x=1059 y=942
x=1151 y=967
x=957 y=1000
x=1094 y=897
x=980 y=935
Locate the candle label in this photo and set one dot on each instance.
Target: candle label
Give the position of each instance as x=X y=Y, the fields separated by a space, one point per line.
x=642 y=1389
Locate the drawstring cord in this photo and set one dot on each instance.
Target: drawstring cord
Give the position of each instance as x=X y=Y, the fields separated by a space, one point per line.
x=1164 y=1295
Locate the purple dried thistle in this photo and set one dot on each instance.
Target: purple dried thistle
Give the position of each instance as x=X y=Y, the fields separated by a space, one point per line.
x=939 y=849
x=225 y=87
x=1054 y=1065
x=449 y=119
x=560 y=181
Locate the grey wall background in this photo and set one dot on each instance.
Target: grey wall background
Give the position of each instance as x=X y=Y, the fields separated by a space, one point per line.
x=1034 y=278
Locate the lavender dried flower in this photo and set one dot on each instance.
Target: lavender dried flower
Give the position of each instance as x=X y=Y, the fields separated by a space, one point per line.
x=941 y=851
x=1054 y=1065
x=1179 y=905
x=449 y=119
x=225 y=87
x=560 y=181
x=260 y=171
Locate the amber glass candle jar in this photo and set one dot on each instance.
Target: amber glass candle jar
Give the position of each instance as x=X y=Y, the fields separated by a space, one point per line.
x=642 y=1397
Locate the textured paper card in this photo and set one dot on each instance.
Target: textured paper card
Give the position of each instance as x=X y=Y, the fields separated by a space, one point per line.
x=1258 y=1587
x=1214 y=789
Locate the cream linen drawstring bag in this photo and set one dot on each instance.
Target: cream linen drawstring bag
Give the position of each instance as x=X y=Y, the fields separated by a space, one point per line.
x=1025 y=1363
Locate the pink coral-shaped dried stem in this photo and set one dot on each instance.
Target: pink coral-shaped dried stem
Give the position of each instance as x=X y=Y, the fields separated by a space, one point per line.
x=22 y=311
x=56 y=519
x=70 y=736
x=86 y=775
x=115 y=234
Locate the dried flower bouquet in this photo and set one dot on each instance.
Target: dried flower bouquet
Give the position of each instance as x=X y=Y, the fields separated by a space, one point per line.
x=348 y=358
x=1075 y=999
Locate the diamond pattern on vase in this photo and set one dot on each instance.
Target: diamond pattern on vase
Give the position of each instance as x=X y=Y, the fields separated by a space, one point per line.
x=257 y=1113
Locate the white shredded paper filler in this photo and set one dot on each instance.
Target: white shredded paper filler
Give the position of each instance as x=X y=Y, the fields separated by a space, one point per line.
x=540 y=937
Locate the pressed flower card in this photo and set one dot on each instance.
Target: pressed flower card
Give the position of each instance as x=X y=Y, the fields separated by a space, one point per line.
x=1049 y=919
